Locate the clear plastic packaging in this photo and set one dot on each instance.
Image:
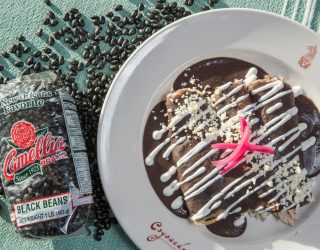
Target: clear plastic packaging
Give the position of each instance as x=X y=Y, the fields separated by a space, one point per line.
x=45 y=170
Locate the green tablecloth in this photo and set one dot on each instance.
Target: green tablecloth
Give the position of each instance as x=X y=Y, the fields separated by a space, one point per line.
x=26 y=16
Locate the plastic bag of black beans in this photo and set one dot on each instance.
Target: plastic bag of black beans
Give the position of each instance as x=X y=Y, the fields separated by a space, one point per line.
x=45 y=170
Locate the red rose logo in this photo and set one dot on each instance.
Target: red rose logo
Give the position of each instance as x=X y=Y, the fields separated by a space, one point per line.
x=23 y=134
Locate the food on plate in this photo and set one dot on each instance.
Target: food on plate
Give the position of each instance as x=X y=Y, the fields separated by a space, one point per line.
x=231 y=140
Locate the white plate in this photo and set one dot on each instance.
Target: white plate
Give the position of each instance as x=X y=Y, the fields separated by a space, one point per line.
x=274 y=43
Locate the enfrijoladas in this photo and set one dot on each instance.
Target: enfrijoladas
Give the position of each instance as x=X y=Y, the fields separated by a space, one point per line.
x=230 y=140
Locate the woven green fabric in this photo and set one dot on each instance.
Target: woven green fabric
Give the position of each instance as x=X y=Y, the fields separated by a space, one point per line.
x=26 y=16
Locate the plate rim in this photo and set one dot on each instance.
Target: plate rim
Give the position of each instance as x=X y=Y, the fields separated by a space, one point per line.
x=103 y=113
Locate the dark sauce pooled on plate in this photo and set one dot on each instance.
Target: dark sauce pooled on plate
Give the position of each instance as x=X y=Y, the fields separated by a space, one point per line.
x=215 y=72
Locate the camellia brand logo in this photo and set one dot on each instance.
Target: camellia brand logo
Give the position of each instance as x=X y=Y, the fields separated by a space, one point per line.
x=160 y=234
x=40 y=148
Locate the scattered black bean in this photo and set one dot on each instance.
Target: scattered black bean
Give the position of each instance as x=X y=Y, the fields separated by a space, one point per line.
x=68 y=40
x=141 y=6
x=5 y=54
x=61 y=60
x=110 y=14
x=18 y=64
x=50 y=41
x=18 y=53
x=53 y=22
x=21 y=38
x=47 y=50
x=114 y=67
x=44 y=58
x=102 y=20
x=118 y=7
x=46 y=21
x=205 y=7
x=51 y=15
x=37 y=53
x=115 y=18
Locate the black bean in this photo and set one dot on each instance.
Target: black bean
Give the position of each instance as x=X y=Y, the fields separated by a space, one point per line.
x=118 y=33
x=150 y=15
x=83 y=39
x=97 y=237
x=1 y=68
x=111 y=26
x=21 y=38
x=100 y=66
x=205 y=7
x=54 y=22
x=18 y=53
x=54 y=63
x=132 y=31
x=134 y=13
x=113 y=51
x=141 y=37
x=30 y=61
x=110 y=14
x=70 y=79
x=74 y=10
x=47 y=2
x=96 y=22
x=26 y=72
x=74 y=23
x=37 y=53
x=56 y=35
x=148 y=30
x=66 y=17
x=118 y=7
x=141 y=31
x=37 y=66
x=96 y=49
x=98 y=30
x=18 y=64
x=44 y=58
x=74 y=62
x=115 y=18
x=169 y=17
x=5 y=54
x=102 y=20
x=46 y=21
x=114 y=67
x=99 y=232
x=51 y=14
x=159 y=6
x=73 y=73
x=51 y=41
x=47 y=50
x=80 y=66
x=141 y=6
x=61 y=60
x=68 y=40
x=114 y=62
x=85 y=54
x=81 y=23
x=75 y=32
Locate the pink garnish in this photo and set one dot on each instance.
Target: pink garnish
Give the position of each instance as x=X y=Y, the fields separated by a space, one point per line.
x=243 y=124
x=239 y=149
x=251 y=147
